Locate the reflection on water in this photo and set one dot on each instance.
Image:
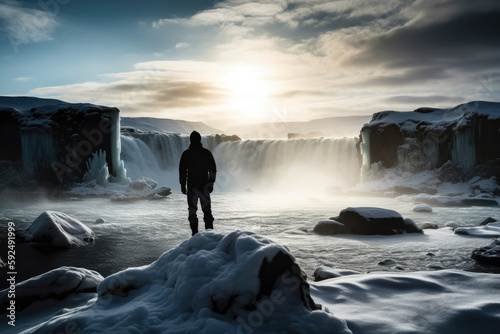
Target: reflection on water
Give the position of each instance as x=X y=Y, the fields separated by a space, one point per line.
x=136 y=233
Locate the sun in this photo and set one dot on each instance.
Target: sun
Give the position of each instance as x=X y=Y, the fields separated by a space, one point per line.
x=248 y=91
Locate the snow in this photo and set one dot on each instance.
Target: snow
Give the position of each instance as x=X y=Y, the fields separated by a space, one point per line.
x=371 y=212
x=487 y=231
x=209 y=284
x=323 y=272
x=59 y=230
x=446 y=301
x=167 y=125
x=55 y=284
x=409 y=121
x=423 y=208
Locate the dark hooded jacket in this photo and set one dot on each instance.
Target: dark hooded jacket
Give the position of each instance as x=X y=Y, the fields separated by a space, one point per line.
x=197 y=166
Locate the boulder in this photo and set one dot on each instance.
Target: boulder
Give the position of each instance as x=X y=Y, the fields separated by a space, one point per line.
x=370 y=220
x=328 y=227
x=59 y=230
x=488 y=254
x=323 y=272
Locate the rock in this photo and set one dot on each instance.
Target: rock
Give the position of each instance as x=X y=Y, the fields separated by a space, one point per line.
x=329 y=227
x=449 y=172
x=370 y=220
x=488 y=254
x=428 y=225
x=486 y=231
x=143 y=183
x=100 y=220
x=59 y=230
x=411 y=227
x=451 y=225
x=487 y=221
x=422 y=208
x=388 y=263
x=323 y=272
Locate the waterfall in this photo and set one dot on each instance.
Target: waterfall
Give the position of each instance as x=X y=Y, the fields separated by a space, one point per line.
x=256 y=164
x=39 y=151
x=463 y=153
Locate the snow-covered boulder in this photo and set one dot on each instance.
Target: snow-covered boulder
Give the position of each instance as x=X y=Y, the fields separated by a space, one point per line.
x=429 y=226
x=370 y=220
x=144 y=194
x=323 y=272
x=55 y=284
x=143 y=183
x=423 y=208
x=59 y=230
x=492 y=230
x=488 y=254
x=211 y=283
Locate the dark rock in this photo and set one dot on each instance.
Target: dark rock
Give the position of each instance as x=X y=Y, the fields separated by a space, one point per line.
x=487 y=221
x=329 y=227
x=449 y=172
x=367 y=220
x=321 y=273
x=475 y=201
x=388 y=263
x=488 y=254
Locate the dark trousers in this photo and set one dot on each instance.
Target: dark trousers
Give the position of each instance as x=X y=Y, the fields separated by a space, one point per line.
x=204 y=196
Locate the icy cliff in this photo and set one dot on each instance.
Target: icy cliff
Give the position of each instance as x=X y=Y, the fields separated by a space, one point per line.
x=428 y=138
x=53 y=140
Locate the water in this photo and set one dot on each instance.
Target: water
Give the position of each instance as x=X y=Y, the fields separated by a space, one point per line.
x=136 y=233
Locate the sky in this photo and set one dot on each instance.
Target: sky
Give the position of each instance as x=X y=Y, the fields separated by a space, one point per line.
x=232 y=62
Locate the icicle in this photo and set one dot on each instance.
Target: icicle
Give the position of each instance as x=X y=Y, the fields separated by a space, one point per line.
x=119 y=172
x=38 y=152
x=463 y=153
x=97 y=169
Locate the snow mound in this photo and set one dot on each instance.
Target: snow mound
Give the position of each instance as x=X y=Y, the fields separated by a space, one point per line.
x=55 y=284
x=59 y=230
x=211 y=283
x=492 y=230
x=488 y=254
x=367 y=221
x=445 y=301
x=323 y=272
x=423 y=208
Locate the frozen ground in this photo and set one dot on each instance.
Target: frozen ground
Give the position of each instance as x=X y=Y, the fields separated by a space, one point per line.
x=136 y=233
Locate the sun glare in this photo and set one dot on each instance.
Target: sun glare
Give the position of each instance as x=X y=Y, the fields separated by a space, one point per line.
x=249 y=91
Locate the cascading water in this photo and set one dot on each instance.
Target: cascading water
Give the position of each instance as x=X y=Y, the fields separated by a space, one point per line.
x=38 y=153
x=257 y=164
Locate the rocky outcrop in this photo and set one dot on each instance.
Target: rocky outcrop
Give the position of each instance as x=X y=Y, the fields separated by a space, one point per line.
x=53 y=139
x=428 y=138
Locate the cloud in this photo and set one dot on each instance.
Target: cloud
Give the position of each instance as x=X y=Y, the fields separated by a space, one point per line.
x=23 y=79
x=181 y=45
x=23 y=25
x=422 y=100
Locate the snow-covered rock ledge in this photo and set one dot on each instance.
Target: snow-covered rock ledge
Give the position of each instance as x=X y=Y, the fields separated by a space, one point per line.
x=211 y=283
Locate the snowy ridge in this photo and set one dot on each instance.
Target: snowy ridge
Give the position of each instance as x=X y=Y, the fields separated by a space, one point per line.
x=409 y=120
x=167 y=125
x=211 y=283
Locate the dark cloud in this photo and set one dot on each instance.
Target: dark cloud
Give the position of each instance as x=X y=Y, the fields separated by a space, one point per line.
x=406 y=77
x=453 y=42
x=420 y=100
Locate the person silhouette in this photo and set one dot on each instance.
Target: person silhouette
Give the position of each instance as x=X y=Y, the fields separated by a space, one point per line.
x=197 y=168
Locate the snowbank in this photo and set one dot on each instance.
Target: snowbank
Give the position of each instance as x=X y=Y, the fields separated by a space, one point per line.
x=492 y=230
x=238 y=283
x=59 y=230
x=446 y=301
x=55 y=284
